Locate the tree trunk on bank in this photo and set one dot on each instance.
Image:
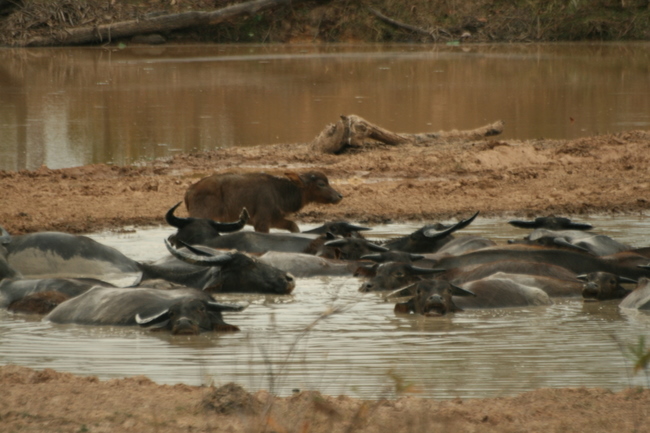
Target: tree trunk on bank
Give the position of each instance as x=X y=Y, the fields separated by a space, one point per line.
x=351 y=132
x=165 y=23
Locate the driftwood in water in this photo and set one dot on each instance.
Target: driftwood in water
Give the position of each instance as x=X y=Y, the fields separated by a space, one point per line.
x=157 y=24
x=352 y=131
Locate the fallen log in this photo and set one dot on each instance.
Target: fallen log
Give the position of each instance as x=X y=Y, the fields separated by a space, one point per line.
x=352 y=131
x=157 y=24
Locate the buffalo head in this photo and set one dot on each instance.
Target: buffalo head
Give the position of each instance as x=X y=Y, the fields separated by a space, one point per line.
x=235 y=272
x=601 y=286
x=190 y=316
x=432 y=298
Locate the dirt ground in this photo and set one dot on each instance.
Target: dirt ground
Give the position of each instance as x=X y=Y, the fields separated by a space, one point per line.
x=605 y=174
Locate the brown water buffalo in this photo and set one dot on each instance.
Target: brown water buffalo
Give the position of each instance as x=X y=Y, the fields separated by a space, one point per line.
x=268 y=199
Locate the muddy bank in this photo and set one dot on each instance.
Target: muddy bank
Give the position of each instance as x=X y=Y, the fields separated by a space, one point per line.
x=605 y=174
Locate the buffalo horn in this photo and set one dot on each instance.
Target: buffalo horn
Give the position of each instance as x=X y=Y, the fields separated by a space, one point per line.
x=198 y=257
x=179 y=222
x=459 y=291
x=344 y=241
x=380 y=258
x=425 y=271
x=460 y=225
x=5 y=237
x=216 y=306
x=153 y=319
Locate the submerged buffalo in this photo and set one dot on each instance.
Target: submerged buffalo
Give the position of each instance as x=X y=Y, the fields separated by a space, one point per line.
x=431 y=238
x=550 y=223
x=180 y=311
x=40 y=296
x=601 y=286
x=438 y=297
x=62 y=254
x=268 y=199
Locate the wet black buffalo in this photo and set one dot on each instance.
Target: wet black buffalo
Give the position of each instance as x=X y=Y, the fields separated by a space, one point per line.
x=438 y=297
x=40 y=296
x=268 y=199
x=393 y=275
x=599 y=245
x=61 y=254
x=180 y=311
x=550 y=223
x=431 y=238
x=202 y=231
x=575 y=261
x=223 y=272
x=601 y=286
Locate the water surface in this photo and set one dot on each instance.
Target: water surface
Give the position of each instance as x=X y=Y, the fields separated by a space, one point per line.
x=73 y=106
x=362 y=349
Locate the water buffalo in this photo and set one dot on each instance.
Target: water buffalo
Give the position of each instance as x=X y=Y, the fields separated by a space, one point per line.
x=394 y=275
x=180 y=311
x=601 y=286
x=639 y=298
x=308 y=265
x=199 y=230
x=269 y=199
x=222 y=272
x=550 y=223
x=599 y=245
x=42 y=295
x=430 y=238
x=62 y=254
x=434 y=297
x=203 y=231
x=575 y=261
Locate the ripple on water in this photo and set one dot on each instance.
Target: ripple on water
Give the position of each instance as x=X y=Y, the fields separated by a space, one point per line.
x=363 y=349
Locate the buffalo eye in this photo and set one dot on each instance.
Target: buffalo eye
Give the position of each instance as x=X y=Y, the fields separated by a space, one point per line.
x=321 y=184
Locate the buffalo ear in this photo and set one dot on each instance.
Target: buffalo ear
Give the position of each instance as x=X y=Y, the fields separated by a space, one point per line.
x=157 y=319
x=294 y=177
x=366 y=271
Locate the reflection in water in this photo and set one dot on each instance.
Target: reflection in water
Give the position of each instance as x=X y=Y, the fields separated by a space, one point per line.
x=71 y=106
x=363 y=349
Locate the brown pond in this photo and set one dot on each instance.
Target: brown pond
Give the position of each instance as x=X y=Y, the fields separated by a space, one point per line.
x=364 y=350
x=75 y=106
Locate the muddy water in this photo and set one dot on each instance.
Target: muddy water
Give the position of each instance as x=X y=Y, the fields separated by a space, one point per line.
x=75 y=106
x=362 y=349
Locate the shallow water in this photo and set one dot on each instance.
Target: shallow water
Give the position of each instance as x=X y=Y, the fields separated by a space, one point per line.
x=74 y=106
x=362 y=349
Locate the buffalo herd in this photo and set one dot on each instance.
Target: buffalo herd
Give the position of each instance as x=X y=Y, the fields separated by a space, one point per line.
x=432 y=271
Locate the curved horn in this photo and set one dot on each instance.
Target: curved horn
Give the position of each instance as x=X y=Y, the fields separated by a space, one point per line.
x=425 y=271
x=460 y=225
x=5 y=237
x=157 y=318
x=336 y=243
x=216 y=306
x=459 y=291
x=233 y=226
x=523 y=224
x=198 y=257
x=175 y=221
x=627 y=280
